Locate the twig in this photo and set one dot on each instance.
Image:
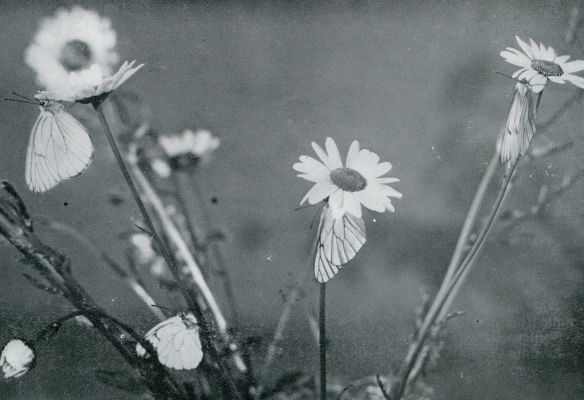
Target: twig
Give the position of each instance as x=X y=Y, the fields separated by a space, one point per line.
x=544 y=200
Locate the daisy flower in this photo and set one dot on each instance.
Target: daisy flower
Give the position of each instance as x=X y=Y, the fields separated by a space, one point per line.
x=360 y=182
x=189 y=147
x=540 y=63
x=69 y=43
x=17 y=359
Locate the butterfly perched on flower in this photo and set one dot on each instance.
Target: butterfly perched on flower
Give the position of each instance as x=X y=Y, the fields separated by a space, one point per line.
x=344 y=189
x=176 y=341
x=339 y=240
x=59 y=146
x=520 y=125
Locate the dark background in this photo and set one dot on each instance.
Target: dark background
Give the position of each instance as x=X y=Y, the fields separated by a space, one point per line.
x=411 y=81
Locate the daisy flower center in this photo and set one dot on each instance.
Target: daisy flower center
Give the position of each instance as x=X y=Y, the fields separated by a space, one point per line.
x=547 y=68
x=75 y=55
x=348 y=179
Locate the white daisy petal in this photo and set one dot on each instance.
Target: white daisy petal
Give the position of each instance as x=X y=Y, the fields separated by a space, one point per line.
x=333 y=153
x=575 y=80
x=351 y=204
x=516 y=58
x=537 y=83
x=561 y=60
x=318 y=193
x=573 y=66
x=323 y=156
x=534 y=48
x=556 y=79
x=361 y=182
x=525 y=47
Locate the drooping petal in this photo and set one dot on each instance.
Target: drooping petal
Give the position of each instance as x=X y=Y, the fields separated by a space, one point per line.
x=537 y=83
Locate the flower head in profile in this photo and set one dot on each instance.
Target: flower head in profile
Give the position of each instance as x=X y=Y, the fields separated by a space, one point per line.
x=92 y=86
x=189 y=148
x=17 y=359
x=359 y=182
x=70 y=42
x=520 y=125
x=540 y=63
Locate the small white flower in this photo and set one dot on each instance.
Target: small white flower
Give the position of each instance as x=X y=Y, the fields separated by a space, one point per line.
x=520 y=125
x=92 y=84
x=69 y=43
x=539 y=63
x=161 y=168
x=361 y=182
x=198 y=145
x=17 y=359
x=142 y=246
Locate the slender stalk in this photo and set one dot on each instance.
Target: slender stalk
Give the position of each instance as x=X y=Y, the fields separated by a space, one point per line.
x=175 y=237
x=322 y=339
x=191 y=300
x=467 y=227
x=439 y=302
x=131 y=184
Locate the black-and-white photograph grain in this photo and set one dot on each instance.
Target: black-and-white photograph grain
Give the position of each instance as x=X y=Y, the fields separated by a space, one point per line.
x=292 y=200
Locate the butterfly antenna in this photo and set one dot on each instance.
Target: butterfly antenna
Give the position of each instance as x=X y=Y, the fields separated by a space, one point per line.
x=21 y=96
x=21 y=101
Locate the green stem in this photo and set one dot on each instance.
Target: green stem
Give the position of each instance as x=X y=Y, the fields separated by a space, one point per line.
x=322 y=340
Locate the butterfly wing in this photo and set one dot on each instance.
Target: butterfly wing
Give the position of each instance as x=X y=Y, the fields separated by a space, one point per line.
x=59 y=148
x=520 y=126
x=339 y=241
x=178 y=345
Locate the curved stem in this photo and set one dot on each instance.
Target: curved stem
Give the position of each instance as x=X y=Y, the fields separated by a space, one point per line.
x=439 y=302
x=322 y=340
x=469 y=223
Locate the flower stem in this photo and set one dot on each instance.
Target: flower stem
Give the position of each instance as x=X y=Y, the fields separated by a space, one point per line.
x=322 y=340
x=441 y=299
x=130 y=182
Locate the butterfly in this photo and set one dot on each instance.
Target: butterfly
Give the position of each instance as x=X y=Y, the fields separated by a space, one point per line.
x=59 y=146
x=520 y=125
x=176 y=341
x=338 y=241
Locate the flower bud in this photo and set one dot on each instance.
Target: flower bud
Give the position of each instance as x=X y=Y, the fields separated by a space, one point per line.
x=16 y=359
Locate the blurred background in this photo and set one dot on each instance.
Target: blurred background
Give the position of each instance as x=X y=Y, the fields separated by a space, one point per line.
x=412 y=81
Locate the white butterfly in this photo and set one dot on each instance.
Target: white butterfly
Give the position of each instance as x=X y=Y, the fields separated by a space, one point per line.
x=339 y=240
x=520 y=125
x=176 y=341
x=59 y=147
